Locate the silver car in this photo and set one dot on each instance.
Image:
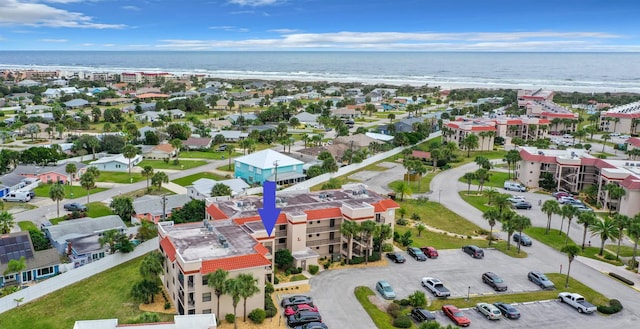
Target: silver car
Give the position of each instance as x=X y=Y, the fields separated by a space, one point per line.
x=384 y=288
x=489 y=311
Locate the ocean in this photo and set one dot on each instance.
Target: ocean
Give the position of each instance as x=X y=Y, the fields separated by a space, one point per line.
x=585 y=72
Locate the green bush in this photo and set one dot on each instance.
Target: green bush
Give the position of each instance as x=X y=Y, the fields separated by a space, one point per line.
x=394 y=310
x=270 y=308
x=401 y=222
x=387 y=247
x=609 y=257
x=230 y=318
x=614 y=307
x=167 y=305
x=268 y=288
x=257 y=316
x=405 y=302
x=313 y=269
x=402 y=321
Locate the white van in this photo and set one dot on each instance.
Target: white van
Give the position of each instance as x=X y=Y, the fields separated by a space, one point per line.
x=514 y=186
x=17 y=196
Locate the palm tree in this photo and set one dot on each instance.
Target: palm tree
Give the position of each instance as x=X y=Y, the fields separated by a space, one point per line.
x=435 y=155
x=130 y=152
x=550 y=207
x=614 y=191
x=492 y=215
x=521 y=223
x=233 y=287
x=605 y=138
x=508 y=225
x=606 y=229
x=572 y=251
x=217 y=281
x=6 y=222
x=512 y=157
x=16 y=266
x=570 y=213
x=491 y=194
x=367 y=229
x=248 y=288
x=56 y=193
x=177 y=144
x=622 y=222
x=159 y=178
x=469 y=177
x=634 y=232
x=586 y=218
x=349 y=229
x=403 y=188
x=470 y=142
x=564 y=212
x=482 y=175
x=147 y=172
x=71 y=170
x=88 y=181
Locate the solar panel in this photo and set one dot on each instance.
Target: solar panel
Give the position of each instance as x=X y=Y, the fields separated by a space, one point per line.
x=14 y=247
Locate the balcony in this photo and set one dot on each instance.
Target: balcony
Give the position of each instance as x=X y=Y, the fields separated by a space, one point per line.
x=323 y=229
x=321 y=242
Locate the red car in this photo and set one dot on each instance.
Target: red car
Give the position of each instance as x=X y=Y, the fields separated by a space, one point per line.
x=431 y=252
x=456 y=315
x=291 y=310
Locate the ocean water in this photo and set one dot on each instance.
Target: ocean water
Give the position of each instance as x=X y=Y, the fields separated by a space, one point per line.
x=587 y=72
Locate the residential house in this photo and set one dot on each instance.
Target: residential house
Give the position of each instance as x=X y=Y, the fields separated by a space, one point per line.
x=18 y=96
x=116 y=162
x=154 y=208
x=230 y=136
x=380 y=137
x=307 y=118
x=270 y=165
x=53 y=174
x=216 y=124
x=356 y=141
x=76 y=103
x=346 y=113
x=191 y=321
x=85 y=249
x=28 y=83
x=144 y=107
x=114 y=101
x=195 y=143
x=201 y=188
x=75 y=228
x=333 y=90
x=143 y=132
x=160 y=152
x=53 y=93
x=11 y=182
x=40 y=265
x=246 y=116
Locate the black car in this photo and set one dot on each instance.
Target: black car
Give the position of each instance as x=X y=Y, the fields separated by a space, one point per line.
x=473 y=251
x=522 y=205
x=522 y=239
x=75 y=207
x=222 y=147
x=312 y=325
x=421 y=315
x=417 y=254
x=494 y=281
x=507 y=310
x=396 y=257
x=302 y=318
x=296 y=300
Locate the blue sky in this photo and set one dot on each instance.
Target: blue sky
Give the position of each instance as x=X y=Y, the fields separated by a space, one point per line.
x=361 y=25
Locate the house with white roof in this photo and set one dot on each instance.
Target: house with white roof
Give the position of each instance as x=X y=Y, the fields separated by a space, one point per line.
x=116 y=162
x=230 y=135
x=75 y=228
x=201 y=188
x=154 y=207
x=268 y=165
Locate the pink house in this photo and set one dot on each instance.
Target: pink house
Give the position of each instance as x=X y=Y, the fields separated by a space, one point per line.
x=53 y=174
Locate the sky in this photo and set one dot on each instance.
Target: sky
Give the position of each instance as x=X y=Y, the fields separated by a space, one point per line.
x=321 y=25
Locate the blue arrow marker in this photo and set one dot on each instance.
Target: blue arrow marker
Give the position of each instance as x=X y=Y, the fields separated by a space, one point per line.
x=269 y=213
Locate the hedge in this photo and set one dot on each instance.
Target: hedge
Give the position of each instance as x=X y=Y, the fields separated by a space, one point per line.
x=614 y=307
x=402 y=321
x=621 y=278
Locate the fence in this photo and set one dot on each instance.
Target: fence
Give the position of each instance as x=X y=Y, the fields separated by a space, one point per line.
x=48 y=286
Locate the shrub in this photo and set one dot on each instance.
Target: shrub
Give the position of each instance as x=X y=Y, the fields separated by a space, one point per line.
x=257 y=315
x=415 y=216
x=275 y=279
x=394 y=310
x=402 y=321
x=270 y=308
x=614 y=307
x=609 y=257
x=268 y=289
x=230 y=318
x=387 y=247
x=632 y=264
x=401 y=222
x=167 y=305
x=405 y=302
x=313 y=269
x=621 y=278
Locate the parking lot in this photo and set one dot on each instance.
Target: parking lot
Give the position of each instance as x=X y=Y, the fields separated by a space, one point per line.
x=333 y=290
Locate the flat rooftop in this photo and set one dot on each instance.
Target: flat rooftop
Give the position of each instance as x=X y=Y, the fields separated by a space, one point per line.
x=206 y=240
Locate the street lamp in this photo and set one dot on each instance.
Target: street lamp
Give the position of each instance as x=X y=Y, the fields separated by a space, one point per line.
x=468 y=292
x=275 y=164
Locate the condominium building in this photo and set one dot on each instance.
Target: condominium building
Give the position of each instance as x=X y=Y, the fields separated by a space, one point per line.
x=487 y=128
x=539 y=103
x=621 y=119
x=457 y=131
x=575 y=170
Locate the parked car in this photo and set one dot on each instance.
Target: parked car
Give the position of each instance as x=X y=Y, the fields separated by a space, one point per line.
x=384 y=288
x=522 y=239
x=417 y=254
x=456 y=315
x=436 y=287
x=430 y=252
x=422 y=315
x=293 y=309
x=559 y=194
x=508 y=311
x=473 y=251
x=222 y=147
x=17 y=196
x=296 y=300
x=312 y=325
x=541 y=280
x=514 y=186
x=489 y=311
x=396 y=257
x=75 y=207
x=522 y=205
x=302 y=318
x=515 y=199
x=494 y=281
x=576 y=301
x=565 y=199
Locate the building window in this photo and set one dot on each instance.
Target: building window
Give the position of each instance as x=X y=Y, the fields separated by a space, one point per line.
x=332 y=222
x=283 y=227
x=45 y=271
x=206 y=311
x=318 y=222
x=378 y=218
x=205 y=280
x=331 y=249
x=192 y=311
x=282 y=240
x=317 y=247
x=318 y=234
x=310 y=235
x=206 y=297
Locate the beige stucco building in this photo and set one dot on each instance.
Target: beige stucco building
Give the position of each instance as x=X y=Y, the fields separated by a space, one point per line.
x=621 y=119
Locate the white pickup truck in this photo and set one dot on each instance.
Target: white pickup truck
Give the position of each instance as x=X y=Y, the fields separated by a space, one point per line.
x=436 y=287
x=577 y=302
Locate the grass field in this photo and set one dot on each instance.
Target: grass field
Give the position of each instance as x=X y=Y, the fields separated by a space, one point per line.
x=25 y=226
x=98 y=209
x=625 y=251
x=382 y=319
x=184 y=164
x=478 y=201
x=119 y=177
x=77 y=191
x=102 y=296
x=496 y=179
x=212 y=155
x=227 y=168
x=438 y=216
x=188 y=180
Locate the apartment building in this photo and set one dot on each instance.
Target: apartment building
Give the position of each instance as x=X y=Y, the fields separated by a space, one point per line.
x=539 y=103
x=526 y=96
x=576 y=169
x=457 y=131
x=621 y=119
x=131 y=77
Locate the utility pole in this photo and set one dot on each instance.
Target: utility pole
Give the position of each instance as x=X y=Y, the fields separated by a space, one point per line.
x=164 y=207
x=275 y=164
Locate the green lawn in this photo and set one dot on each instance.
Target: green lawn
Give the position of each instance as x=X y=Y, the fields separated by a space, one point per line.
x=341 y=180
x=436 y=215
x=98 y=209
x=119 y=177
x=102 y=296
x=381 y=318
x=25 y=226
x=77 y=191
x=160 y=164
x=188 y=180
x=496 y=179
x=625 y=251
x=212 y=155
x=226 y=167
x=478 y=201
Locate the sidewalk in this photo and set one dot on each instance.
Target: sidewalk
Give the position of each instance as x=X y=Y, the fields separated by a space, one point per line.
x=607 y=268
x=175 y=188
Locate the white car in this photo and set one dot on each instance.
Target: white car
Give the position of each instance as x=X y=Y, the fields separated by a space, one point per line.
x=516 y=198
x=489 y=311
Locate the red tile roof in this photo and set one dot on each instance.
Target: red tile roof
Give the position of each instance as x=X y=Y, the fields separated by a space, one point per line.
x=165 y=148
x=216 y=213
x=631 y=183
x=282 y=219
x=261 y=249
x=421 y=154
x=621 y=115
x=168 y=248
x=559 y=115
x=234 y=263
x=388 y=204
x=635 y=141
x=323 y=213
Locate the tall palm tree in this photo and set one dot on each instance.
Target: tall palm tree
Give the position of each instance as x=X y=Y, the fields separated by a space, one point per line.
x=491 y=194
x=130 y=152
x=367 y=229
x=147 y=172
x=550 y=207
x=508 y=225
x=605 y=138
x=606 y=229
x=622 y=222
x=159 y=178
x=634 y=233
x=217 y=281
x=248 y=288
x=482 y=175
x=492 y=215
x=501 y=201
x=71 y=170
x=469 y=177
x=586 y=218
x=88 y=181
x=614 y=191
x=521 y=223
x=234 y=289
x=403 y=188
x=349 y=229
x=6 y=222
x=565 y=210
x=570 y=213
x=512 y=157
x=56 y=193
x=572 y=251
x=470 y=142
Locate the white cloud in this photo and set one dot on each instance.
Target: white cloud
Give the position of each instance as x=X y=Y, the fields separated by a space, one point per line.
x=109 y=45
x=54 y=40
x=88 y=44
x=284 y=31
x=131 y=8
x=229 y=28
x=256 y=3
x=19 y=12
